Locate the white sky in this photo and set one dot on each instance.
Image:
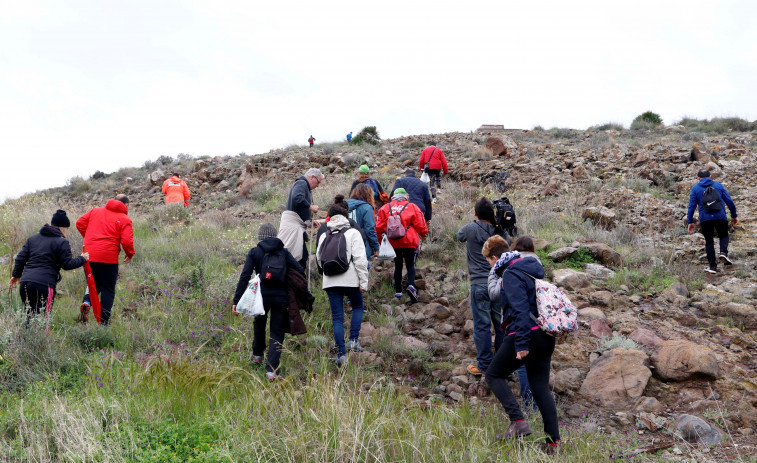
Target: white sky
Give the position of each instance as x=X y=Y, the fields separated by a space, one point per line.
x=99 y=85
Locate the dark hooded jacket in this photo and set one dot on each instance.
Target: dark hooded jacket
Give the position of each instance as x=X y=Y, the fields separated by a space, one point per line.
x=518 y=291
x=274 y=294
x=300 y=199
x=42 y=257
x=418 y=192
x=299 y=299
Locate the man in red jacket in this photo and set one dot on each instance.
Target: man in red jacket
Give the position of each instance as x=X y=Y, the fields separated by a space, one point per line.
x=106 y=230
x=434 y=158
x=176 y=190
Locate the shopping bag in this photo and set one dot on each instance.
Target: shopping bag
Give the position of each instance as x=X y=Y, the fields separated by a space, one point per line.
x=425 y=178
x=251 y=302
x=386 y=251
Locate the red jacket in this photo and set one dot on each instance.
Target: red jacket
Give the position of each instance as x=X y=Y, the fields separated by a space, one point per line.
x=435 y=159
x=176 y=191
x=105 y=230
x=412 y=220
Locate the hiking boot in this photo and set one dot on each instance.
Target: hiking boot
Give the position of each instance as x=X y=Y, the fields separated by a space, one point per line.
x=473 y=369
x=341 y=360
x=257 y=359
x=549 y=449
x=711 y=270
x=412 y=293
x=83 y=313
x=725 y=260
x=355 y=346
x=519 y=428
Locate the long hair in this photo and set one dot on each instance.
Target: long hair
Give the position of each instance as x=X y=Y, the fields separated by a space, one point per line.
x=364 y=192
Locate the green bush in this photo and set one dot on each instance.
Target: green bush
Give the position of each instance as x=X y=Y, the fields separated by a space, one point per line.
x=368 y=135
x=646 y=121
x=717 y=125
x=616 y=341
x=78 y=185
x=608 y=126
x=579 y=259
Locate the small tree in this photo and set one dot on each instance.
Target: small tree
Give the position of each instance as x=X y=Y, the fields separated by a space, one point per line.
x=646 y=121
x=367 y=135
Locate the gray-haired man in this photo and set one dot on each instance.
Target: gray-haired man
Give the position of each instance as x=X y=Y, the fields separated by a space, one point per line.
x=299 y=211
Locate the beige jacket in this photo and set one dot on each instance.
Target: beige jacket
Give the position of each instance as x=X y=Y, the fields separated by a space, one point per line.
x=357 y=274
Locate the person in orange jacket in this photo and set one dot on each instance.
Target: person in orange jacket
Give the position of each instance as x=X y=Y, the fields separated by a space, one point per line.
x=176 y=190
x=434 y=158
x=106 y=230
x=406 y=247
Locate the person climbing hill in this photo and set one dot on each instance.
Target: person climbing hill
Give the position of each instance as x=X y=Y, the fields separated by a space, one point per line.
x=434 y=158
x=176 y=190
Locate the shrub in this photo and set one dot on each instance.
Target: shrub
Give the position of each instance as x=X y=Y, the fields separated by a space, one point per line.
x=98 y=175
x=92 y=336
x=78 y=185
x=558 y=132
x=616 y=341
x=693 y=136
x=579 y=259
x=368 y=135
x=414 y=145
x=608 y=126
x=646 y=119
x=165 y=160
x=328 y=149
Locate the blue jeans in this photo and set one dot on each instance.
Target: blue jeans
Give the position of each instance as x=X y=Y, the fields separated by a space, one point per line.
x=336 y=301
x=485 y=314
x=525 y=389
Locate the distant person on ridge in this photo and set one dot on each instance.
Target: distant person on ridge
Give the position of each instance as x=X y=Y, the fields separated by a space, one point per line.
x=364 y=177
x=311 y=140
x=709 y=196
x=434 y=158
x=39 y=262
x=106 y=230
x=418 y=192
x=349 y=138
x=176 y=190
x=299 y=212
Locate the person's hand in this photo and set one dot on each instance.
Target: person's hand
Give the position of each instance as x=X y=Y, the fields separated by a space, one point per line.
x=362 y=290
x=85 y=255
x=314 y=207
x=316 y=224
x=521 y=354
x=127 y=259
x=234 y=310
x=13 y=282
x=691 y=228
x=375 y=254
x=735 y=221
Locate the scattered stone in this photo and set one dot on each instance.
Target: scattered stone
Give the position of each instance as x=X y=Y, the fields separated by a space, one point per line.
x=678 y=360
x=696 y=430
x=558 y=255
x=599 y=272
x=649 y=404
x=645 y=337
x=601 y=216
x=411 y=342
x=603 y=298
x=591 y=313
x=604 y=253
x=617 y=379
x=599 y=329
x=566 y=381
x=570 y=279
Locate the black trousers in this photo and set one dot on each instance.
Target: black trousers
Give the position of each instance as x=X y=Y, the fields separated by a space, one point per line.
x=279 y=324
x=436 y=177
x=408 y=256
x=537 y=364
x=35 y=298
x=105 y=276
x=709 y=228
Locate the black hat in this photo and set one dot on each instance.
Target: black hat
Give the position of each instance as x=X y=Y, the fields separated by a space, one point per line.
x=267 y=230
x=60 y=219
x=703 y=173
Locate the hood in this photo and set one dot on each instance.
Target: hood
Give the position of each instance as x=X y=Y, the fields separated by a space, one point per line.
x=531 y=266
x=175 y=179
x=116 y=206
x=49 y=230
x=532 y=255
x=707 y=181
x=355 y=203
x=337 y=222
x=271 y=244
x=483 y=230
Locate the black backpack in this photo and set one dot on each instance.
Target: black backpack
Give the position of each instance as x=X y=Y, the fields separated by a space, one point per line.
x=711 y=200
x=273 y=268
x=333 y=252
x=504 y=215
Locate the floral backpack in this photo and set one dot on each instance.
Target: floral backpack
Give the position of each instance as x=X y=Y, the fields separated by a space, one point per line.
x=557 y=315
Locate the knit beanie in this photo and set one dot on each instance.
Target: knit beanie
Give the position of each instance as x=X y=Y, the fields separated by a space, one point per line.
x=267 y=230
x=60 y=219
x=364 y=169
x=400 y=191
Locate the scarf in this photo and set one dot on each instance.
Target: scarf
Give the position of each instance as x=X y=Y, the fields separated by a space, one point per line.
x=505 y=259
x=400 y=197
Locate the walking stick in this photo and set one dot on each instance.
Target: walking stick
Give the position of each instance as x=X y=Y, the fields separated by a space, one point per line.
x=311 y=246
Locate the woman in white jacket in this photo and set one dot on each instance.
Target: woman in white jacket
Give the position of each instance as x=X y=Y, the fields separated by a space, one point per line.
x=350 y=283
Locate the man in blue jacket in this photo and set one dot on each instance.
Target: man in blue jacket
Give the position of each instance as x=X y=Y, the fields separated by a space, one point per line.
x=417 y=190
x=712 y=221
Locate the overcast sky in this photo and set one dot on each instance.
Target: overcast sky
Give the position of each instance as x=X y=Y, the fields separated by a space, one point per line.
x=98 y=85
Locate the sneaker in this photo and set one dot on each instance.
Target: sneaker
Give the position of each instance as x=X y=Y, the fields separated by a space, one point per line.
x=398 y=295
x=341 y=360
x=271 y=376
x=473 y=369
x=549 y=449
x=518 y=429
x=257 y=359
x=711 y=270
x=412 y=293
x=355 y=346
x=725 y=260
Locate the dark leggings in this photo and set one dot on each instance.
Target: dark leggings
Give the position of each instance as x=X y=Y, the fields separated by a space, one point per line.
x=435 y=176
x=408 y=255
x=105 y=276
x=537 y=368
x=709 y=228
x=279 y=325
x=35 y=298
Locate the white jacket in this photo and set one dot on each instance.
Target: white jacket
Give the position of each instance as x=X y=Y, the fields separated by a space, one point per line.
x=357 y=274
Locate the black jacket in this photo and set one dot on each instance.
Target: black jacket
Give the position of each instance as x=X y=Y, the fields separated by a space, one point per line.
x=418 y=192
x=273 y=294
x=519 y=293
x=300 y=199
x=42 y=257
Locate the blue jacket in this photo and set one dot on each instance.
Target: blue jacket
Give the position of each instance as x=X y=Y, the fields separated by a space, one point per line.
x=695 y=200
x=518 y=291
x=364 y=217
x=418 y=191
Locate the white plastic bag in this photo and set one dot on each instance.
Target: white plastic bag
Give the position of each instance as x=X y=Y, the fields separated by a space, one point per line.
x=425 y=178
x=251 y=302
x=386 y=251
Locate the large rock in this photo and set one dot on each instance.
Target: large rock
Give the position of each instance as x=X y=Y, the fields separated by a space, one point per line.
x=156 y=177
x=496 y=146
x=741 y=313
x=600 y=216
x=677 y=360
x=570 y=279
x=604 y=253
x=599 y=272
x=599 y=329
x=566 y=381
x=588 y=314
x=617 y=379
x=558 y=255
x=645 y=337
x=696 y=430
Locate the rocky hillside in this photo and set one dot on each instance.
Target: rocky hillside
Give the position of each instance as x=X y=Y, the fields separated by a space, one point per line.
x=663 y=348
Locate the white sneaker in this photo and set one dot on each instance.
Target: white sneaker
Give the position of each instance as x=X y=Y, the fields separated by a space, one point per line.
x=355 y=346
x=711 y=270
x=725 y=260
